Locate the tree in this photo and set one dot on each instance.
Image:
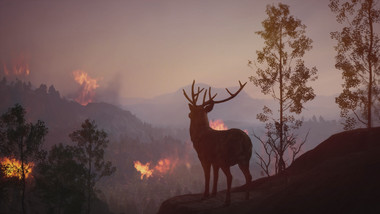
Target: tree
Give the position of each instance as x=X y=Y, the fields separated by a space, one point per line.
x=61 y=180
x=22 y=141
x=91 y=143
x=284 y=77
x=358 y=54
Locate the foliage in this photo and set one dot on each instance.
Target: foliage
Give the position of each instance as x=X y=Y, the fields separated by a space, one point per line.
x=61 y=180
x=22 y=140
x=358 y=54
x=284 y=77
x=91 y=143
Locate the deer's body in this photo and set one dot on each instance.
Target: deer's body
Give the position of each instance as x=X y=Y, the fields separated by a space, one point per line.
x=224 y=148
x=219 y=149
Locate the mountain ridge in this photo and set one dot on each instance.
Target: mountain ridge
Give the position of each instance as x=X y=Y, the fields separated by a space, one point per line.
x=171 y=109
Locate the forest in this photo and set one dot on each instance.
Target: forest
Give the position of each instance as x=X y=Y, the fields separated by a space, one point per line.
x=64 y=154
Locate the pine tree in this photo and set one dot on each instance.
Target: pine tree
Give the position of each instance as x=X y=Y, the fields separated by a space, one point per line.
x=22 y=141
x=92 y=143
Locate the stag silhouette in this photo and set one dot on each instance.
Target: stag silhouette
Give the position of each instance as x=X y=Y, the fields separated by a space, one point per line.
x=219 y=149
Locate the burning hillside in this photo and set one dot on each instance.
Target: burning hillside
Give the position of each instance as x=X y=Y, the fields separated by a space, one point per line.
x=17 y=67
x=162 y=167
x=87 y=84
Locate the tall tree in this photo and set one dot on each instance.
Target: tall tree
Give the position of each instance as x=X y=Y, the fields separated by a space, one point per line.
x=358 y=54
x=92 y=143
x=61 y=180
x=284 y=76
x=23 y=141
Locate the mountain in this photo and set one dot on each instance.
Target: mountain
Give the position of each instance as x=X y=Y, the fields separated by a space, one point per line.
x=171 y=109
x=63 y=116
x=341 y=175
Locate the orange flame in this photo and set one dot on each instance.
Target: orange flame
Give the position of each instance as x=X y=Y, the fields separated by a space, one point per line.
x=162 y=167
x=88 y=86
x=18 y=67
x=143 y=169
x=12 y=168
x=218 y=125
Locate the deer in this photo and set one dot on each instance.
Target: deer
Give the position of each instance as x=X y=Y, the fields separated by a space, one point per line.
x=219 y=149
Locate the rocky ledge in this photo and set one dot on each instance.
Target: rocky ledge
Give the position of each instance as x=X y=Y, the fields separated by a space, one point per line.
x=340 y=175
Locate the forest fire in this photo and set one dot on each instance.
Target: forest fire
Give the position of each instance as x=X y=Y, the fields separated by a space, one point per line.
x=218 y=125
x=12 y=168
x=18 y=67
x=88 y=86
x=143 y=169
x=162 y=167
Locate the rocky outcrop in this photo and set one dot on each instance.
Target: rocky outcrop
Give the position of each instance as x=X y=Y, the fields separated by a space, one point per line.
x=341 y=175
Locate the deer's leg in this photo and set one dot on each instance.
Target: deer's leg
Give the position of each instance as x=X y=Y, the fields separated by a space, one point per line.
x=227 y=172
x=215 y=184
x=248 y=177
x=206 y=169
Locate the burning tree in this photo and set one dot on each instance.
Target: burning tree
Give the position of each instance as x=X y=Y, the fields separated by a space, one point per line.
x=22 y=142
x=284 y=78
x=91 y=143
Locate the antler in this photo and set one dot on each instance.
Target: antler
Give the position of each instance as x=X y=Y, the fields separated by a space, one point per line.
x=211 y=98
x=194 y=96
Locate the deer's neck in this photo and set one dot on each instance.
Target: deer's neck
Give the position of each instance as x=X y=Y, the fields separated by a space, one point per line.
x=198 y=129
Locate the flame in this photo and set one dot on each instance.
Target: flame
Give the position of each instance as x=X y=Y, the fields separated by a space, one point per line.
x=12 y=168
x=218 y=125
x=143 y=169
x=18 y=67
x=161 y=168
x=88 y=86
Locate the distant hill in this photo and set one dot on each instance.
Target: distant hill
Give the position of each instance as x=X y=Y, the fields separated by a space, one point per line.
x=171 y=109
x=63 y=116
x=341 y=175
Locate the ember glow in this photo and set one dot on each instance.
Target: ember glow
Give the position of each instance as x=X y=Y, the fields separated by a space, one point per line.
x=143 y=169
x=162 y=167
x=12 y=168
x=218 y=125
x=88 y=86
x=18 y=67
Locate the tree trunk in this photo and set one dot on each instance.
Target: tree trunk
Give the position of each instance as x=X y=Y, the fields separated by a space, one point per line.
x=22 y=177
x=89 y=181
x=370 y=82
x=281 y=160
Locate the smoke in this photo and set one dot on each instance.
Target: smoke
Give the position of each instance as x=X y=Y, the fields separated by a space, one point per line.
x=111 y=92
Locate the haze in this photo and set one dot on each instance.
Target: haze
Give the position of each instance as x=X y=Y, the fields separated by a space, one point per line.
x=147 y=48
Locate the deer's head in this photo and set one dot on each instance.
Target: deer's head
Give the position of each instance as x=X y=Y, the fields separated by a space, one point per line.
x=198 y=113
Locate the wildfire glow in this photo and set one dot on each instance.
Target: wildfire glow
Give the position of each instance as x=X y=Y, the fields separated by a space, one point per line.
x=18 y=67
x=88 y=86
x=218 y=125
x=12 y=168
x=143 y=169
x=162 y=167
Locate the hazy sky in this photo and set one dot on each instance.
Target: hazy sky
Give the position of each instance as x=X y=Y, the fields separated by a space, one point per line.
x=147 y=48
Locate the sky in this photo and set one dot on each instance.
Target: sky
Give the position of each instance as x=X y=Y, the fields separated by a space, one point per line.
x=147 y=48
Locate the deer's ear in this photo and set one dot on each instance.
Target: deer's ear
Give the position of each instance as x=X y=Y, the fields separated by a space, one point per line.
x=191 y=107
x=209 y=108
